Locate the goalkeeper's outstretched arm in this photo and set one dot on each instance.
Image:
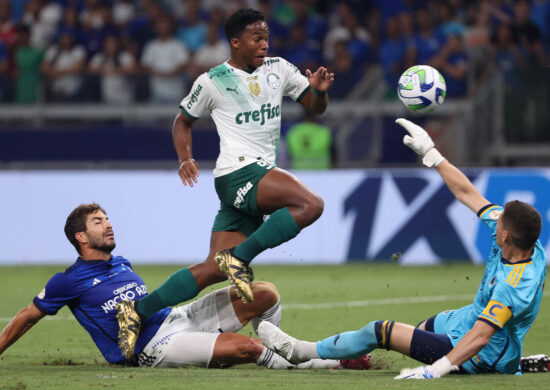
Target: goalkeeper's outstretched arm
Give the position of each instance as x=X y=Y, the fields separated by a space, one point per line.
x=19 y=325
x=461 y=187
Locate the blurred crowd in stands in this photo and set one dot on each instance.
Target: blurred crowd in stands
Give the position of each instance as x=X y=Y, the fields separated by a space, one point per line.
x=125 y=51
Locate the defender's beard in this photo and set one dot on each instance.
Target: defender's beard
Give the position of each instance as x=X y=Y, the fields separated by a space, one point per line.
x=105 y=247
x=102 y=245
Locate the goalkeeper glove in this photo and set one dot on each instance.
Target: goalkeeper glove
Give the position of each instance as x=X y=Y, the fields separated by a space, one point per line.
x=421 y=143
x=439 y=368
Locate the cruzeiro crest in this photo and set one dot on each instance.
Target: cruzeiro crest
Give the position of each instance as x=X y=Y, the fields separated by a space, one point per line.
x=254 y=86
x=273 y=81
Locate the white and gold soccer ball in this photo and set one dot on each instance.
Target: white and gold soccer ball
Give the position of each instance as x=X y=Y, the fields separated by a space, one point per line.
x=421 y=88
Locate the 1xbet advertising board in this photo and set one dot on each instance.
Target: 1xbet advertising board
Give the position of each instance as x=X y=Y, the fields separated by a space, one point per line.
x=406 y=215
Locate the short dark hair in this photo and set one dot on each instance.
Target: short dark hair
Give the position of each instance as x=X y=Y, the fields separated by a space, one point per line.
x=523 y=222
x=76 y=222
x=236 y=23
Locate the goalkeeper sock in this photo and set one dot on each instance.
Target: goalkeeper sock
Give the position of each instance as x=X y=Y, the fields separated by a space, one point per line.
x=270 y=359
x=279 y=227
x=349 y=345
x=179 y=287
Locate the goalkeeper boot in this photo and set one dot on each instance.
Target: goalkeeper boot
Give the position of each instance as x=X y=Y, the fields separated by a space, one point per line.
x=361 y=363
x=535 y=363
x=278 y=341
x=129 y=324
x=239 y=274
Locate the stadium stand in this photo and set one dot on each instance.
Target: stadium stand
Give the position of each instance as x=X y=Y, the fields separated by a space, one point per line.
x=83 y=68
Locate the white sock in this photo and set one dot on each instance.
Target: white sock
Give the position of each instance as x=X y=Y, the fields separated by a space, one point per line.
x=273 y=315
x=305 y=350
x=271 y=360
x=318 y=364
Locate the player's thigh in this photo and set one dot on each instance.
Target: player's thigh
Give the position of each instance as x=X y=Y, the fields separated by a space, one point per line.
x=427 y=347
x=212 y=313
x=419 y=344
x=223 y=311
x=237 y=190
x=190 y=349
x=232 y=220
x=279 y=188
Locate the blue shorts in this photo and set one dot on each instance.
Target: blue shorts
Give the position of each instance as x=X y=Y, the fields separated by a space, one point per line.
x=427 y=347
x=439 y=343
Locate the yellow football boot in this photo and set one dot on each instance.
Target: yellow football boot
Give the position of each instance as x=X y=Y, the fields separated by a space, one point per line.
x=239 y=274
x=129 y=324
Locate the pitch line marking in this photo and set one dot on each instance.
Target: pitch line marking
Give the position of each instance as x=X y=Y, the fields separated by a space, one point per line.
x=382 y=302
x=376 y=302
x=332 y=305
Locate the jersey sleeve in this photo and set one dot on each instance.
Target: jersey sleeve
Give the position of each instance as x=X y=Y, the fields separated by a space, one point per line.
x=509 y=299
x=496 y=313
x=199 y=100
x=489 y=215
x=58 y=292
x=296 y=84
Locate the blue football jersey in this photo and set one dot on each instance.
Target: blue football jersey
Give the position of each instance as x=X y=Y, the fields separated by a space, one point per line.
x=92 y=289
x=508 y=299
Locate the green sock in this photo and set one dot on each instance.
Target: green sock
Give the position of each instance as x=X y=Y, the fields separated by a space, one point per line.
x=279 y=227
x=179 y=287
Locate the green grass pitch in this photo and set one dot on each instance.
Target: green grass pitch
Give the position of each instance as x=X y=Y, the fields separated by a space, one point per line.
x=318 y=301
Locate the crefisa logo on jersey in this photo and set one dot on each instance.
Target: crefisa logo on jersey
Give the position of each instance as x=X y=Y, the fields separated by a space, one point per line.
x=194 y=96
x=273 y=81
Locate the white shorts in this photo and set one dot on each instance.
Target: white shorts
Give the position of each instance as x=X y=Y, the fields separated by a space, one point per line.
x=188 y=334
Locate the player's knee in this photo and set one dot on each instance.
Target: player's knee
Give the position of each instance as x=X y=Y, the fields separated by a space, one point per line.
x=383 y=331
x=314 y=208
x=265 y=293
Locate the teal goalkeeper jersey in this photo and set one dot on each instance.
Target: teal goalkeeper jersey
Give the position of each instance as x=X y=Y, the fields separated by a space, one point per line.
x=508 y=299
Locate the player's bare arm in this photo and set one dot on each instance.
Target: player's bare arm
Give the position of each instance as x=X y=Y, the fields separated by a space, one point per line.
x=181 y=136
x=472 y=342
x=461 y=187
x=19 y=325
x=316 y=100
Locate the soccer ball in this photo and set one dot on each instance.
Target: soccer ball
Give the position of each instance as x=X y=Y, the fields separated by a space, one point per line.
x=421 y=88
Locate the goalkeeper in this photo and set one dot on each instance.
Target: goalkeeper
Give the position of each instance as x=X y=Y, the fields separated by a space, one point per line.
x=483 y=337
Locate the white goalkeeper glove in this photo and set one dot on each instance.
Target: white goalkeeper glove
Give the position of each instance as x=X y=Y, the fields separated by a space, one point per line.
x=421 y=143
x=440 y=367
